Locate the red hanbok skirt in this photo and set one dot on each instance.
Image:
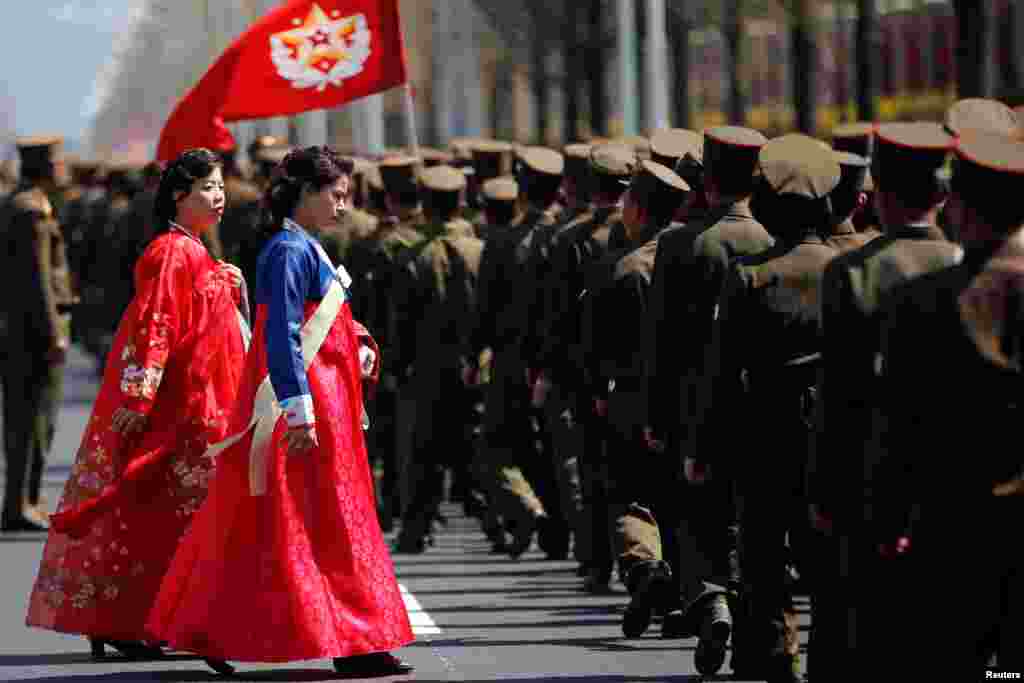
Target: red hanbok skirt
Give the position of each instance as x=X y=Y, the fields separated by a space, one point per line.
x=301 y=572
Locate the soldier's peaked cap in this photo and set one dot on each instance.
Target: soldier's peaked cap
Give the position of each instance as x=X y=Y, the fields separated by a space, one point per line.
x=37 y=150
x=541 y=161
x=501 y=189
x=857 y=138
x=732 y=149
x=443 y=178
x=656 y=183
x=799 y=166
x=614 y=160
x=491 y=158
x=978 y=113
x=854 y=170
x=988 y=168
x=398 y=172
x=669 y=145
x=909 y=153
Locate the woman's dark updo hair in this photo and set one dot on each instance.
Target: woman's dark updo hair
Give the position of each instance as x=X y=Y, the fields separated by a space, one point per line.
x=313 y=167
x=179 y=176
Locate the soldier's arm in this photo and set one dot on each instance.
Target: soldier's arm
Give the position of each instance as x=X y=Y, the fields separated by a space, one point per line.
x=409 y=303
x=663 y=368
x=42 y=227
x=488 y=283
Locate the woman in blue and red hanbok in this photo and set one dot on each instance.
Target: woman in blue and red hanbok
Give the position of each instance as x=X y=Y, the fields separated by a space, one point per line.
x=286 y=560
x=168 y=389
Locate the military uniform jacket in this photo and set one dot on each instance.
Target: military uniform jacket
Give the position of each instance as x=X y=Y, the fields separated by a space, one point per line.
x=945 y=413
x=576 y=249
x=689 y=270
x=844 y=237
x=435 y=301
x=853 y=287
x=36 y=316
x=762 y=362
x=618 y=338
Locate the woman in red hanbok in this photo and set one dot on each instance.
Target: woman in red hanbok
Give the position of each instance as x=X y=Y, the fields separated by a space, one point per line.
x=140 y=472
x=285 y=561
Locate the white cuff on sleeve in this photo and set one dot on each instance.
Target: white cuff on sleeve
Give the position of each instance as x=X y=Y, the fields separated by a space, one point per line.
x=367 y=359
x=298 y=410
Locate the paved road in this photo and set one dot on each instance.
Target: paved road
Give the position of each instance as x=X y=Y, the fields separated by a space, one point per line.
x=479 y=617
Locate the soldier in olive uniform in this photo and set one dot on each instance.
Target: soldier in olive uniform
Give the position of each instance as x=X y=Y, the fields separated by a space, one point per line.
x=491 y=159
x=575 y=250
x=689 y=270
x=943 y=502
x=38 y=328
x=508 y=432
x=859 y=138
x=772 y=297
x=909 y=190
x=848 y=199
x=618 y=344
x=372 y=262
x=435 y=301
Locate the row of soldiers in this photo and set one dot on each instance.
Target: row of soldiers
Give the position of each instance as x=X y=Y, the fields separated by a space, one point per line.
x=704 y=358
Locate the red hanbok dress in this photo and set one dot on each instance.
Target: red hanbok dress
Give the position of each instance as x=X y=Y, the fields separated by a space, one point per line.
x=299 y=570
x=177 y=358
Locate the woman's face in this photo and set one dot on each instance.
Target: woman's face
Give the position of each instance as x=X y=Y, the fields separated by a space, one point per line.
x=319 y=209
x=203 y=206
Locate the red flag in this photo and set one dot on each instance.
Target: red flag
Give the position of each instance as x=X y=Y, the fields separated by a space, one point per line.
x=302 y=56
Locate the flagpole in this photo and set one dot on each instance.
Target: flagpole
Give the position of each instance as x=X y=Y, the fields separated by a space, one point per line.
x=410 y=120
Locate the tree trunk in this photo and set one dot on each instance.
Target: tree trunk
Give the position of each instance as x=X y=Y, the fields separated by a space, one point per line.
x=805 y=66
x=732 y=23
x=679 y=26
x=539 y=79
x=595 y=67
x=868 y=42
x=573 y=61
x=974 y=45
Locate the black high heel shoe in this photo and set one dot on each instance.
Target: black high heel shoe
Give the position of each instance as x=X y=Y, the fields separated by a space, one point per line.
x=372 y=665
x=220 y=666
x=130 y=650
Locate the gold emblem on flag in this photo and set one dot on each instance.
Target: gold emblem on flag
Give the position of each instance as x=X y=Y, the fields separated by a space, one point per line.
x=321 y=50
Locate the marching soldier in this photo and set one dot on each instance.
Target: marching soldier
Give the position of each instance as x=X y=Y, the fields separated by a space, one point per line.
x=692 y=262
x=508 y=433
x=940 y=497
x=435 y=306
x=500 y=202
x=640 y=480
x=773 y=297
x=576 y=249
x=373 y=267
x=38 y=328
x=859 y=138
x=491 y=159
x=848 y=199
x=909 y=191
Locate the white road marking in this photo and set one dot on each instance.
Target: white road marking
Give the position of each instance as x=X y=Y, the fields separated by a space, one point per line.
x=422 y=624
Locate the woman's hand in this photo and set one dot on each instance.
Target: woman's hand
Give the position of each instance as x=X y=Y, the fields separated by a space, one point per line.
x=232 y=271
x=300 y=440
x=128 y=422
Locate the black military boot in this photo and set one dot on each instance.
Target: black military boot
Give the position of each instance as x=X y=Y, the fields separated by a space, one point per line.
x=649 y=586
x=714 y=636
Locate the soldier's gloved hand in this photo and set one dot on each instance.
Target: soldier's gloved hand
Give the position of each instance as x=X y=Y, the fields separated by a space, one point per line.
x=898 y=548
x=127 y=422
x=300 y=440
x=652 y=442
x=696 y=472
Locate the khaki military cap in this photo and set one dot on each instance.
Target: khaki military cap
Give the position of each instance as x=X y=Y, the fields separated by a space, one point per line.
x=462 y=147
x=857 y=138
x=641 y=145
x=271 y=155
x=264 y=142
x=909 y=153
x=854 y=170
x=38 y=151
x=988 y=168
x=434 y=157
x=491 y=158
x=374 y=179
x=613 y=159
x=398 y=172
x=798 y=165
x=669 y=145
x=577 y=150
x=503 y=189
x=732 y=150
x=657 y=185
x=542 y=161
x=442 y=178
x=361 y=166
x=977 y=113
x=38 y=142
